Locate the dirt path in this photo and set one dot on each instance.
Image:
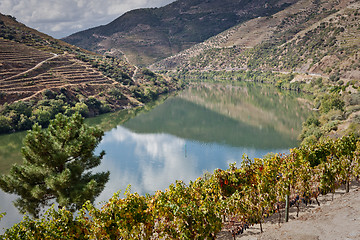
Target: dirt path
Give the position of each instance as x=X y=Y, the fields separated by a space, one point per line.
x=334 y=220
x=127 y=59
x=33 y=68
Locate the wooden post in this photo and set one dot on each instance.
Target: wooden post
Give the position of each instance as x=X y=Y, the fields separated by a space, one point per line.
x=347 y=186
x=287 y=208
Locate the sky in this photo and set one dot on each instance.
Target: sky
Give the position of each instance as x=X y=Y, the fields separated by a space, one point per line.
x=60 y=18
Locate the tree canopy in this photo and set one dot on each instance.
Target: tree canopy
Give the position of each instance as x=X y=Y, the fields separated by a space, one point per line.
x=56 y=166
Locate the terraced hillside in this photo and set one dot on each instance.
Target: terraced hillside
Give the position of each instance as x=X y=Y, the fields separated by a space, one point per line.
x=41 y=76
x=25 y=72
x=320 y=37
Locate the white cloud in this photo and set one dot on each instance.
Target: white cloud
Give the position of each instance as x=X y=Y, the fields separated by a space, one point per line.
x=60 y=18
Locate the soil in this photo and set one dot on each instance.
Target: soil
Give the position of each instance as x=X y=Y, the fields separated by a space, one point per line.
x=337 y=217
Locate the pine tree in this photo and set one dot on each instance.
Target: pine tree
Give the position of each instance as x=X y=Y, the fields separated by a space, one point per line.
x=56 y=166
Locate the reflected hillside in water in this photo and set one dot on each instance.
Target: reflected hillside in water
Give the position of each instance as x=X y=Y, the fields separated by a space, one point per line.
x=245 y=115
x=241 y=116
x=262 y=106
x=109 y=121
x=10 y=150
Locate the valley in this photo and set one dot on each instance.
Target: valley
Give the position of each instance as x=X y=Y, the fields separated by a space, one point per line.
x=267 y=90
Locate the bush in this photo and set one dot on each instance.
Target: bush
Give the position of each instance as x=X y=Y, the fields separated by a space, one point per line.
x=312 y=120
x=331 y=101
x=116 y=93
x=5 y=124
x=330 y=126
x=334 y=77
x=79 y=107
x=42 y=116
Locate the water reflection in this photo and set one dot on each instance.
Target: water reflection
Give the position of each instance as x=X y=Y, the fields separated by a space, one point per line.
x=254 y=105
x=239 y=116
x=10 y=146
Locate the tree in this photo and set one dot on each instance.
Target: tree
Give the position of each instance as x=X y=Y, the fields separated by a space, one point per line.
x=56 y=166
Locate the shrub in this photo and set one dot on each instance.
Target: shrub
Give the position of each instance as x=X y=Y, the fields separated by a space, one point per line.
x=331 y=101
x=5 y=124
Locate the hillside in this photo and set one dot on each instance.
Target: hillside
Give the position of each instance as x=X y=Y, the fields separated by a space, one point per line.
x=313 y=46
x=149 y=35
x=318 y=37
x=41 y=76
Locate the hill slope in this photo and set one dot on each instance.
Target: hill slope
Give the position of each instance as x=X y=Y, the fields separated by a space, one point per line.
x=309 y=36
x=41 y=76
x=148 y=35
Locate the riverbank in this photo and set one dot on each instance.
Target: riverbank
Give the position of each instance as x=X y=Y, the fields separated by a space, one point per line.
x=332 y=220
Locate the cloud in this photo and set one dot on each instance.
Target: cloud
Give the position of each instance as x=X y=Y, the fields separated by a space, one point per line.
x=62 y=18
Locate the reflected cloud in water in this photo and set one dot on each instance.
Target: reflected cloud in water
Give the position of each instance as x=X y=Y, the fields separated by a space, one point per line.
x=150 y=162
x=12 y=214
x=146 y=161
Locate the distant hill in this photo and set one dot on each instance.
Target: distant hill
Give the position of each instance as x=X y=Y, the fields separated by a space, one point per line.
x=41 y=76
x=149 y=35
x=317 y=37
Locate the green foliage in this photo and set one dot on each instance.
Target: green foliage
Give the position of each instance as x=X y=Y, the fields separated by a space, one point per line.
x=331 y=101
x=59 y=224
x=56 y=165
x=312 y=120
x=188 y=212
x=147 y=72
x=22 y=115
x=79 y=107
x=116 y=94
x=334 y=77
x=5 y=124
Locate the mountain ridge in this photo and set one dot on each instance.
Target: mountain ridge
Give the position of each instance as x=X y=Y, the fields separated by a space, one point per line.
x=247 y=45
x=147 y=35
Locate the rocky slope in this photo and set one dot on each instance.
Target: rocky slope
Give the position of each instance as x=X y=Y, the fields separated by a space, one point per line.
x=148 y=35
x=309 y=36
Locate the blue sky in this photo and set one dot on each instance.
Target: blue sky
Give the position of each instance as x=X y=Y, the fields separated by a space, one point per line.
x=60 y=18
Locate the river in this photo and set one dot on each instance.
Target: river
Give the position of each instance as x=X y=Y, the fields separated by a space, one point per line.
x=182 y=136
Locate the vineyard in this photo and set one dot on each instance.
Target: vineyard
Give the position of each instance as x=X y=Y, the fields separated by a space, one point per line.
x=27 y=71
x=236 y=198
